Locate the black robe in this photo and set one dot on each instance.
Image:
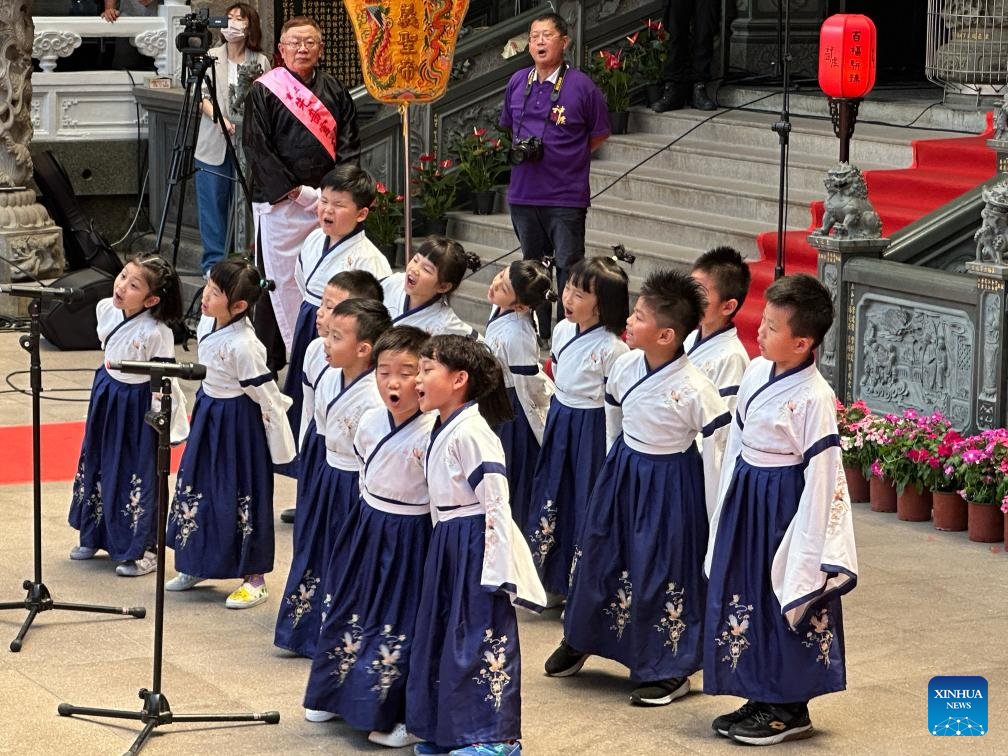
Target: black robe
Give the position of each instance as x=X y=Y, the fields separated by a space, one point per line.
x=282 y=153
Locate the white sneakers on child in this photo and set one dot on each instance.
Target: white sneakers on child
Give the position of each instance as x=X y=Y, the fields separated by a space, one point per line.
x=182 y=582
x=317 y=715
x=400 y=737
x=143 y=566
x=246 y=596
x=80 y=553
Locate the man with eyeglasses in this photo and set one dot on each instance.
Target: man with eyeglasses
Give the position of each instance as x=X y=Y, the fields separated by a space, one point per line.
x=557 y=117
x=300 y=123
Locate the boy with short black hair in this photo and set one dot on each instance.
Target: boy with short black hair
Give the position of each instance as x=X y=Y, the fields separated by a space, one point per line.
x=714 y=346
x=783 y=520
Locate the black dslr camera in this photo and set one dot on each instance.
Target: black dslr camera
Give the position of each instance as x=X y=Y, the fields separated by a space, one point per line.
x=194 y=39
x=527 y=150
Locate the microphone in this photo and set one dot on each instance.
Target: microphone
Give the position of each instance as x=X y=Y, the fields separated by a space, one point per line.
x=187 y=370
x=42 y=292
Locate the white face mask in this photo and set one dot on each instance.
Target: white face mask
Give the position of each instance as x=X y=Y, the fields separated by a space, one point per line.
x=235 y=31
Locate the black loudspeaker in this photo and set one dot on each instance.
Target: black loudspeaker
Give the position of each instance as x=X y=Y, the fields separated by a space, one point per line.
x=74 y=326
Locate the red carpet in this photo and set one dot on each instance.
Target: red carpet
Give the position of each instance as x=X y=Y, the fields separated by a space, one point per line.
x=941 y=170
x=60 y=444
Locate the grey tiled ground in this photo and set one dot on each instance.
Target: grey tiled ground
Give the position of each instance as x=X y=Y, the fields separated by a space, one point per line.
x=928 y=603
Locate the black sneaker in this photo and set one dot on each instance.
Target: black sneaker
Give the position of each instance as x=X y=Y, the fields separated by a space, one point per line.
x=287 y=515
x=660 y=693
x=722 y=724
x=773 y=724
x=565 y=661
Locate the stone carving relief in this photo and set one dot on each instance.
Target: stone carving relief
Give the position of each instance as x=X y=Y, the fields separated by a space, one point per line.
x=830 y=277
x=154 y=44
x=36 y=256
x=991 y=336
x=912 y=354
x=47 y=46
x=992 y=236
x=847 y=213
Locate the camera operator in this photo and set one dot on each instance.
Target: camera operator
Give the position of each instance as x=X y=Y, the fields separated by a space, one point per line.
x=557 y=117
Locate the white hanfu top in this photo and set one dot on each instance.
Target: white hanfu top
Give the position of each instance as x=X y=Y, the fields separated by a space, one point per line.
x=391 y=461
x=581 y=364
x=235 y=362
x=344 y=405
x=790 y=419
x=721 y=357
x=141 y=338
x=313 y=370
x=436 y=317
x=662 y=411
x=511 y=337
x=466 y=476
x=318 y=261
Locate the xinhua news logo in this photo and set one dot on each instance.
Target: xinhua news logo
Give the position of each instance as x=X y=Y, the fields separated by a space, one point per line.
x=957 y=706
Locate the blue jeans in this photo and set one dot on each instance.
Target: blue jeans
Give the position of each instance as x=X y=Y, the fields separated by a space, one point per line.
x=556 y=231
x=214 y=184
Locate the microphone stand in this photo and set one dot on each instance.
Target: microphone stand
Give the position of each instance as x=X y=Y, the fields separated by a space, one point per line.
x=39 y=599
x=783 y=129
x=156 y=711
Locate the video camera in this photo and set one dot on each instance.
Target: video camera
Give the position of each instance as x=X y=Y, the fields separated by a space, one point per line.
x=194 y=39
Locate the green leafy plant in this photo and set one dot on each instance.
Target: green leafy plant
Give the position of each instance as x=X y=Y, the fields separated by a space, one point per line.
x=482 y=159
x=434 y=184
x=383 y=224
x=648 y=51
x=609 y=71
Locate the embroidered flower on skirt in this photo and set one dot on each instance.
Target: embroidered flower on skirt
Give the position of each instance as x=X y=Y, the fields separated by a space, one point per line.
x=492 y=672
x=301 y=600
x=345 y=655
x=385 y=666
x=733 y=635
x=619 y=607
x=671 y=622
x=544 y=537
x=820 y=636
x=133 y=510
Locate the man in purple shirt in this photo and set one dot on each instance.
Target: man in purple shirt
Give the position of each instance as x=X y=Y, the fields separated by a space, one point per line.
x=563 y=109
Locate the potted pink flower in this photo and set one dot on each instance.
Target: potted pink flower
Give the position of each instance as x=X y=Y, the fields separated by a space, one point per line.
x=910 y=460
x=981 y=465
x=852 y=419
x=609 y=71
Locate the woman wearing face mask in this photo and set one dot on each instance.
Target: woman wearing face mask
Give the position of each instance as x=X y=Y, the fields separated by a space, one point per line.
x=215 y=168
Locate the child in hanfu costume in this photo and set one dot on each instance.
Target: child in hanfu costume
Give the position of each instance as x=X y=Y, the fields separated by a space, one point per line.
x=114 y=502
x=376 y=569
x=347 y=392
x=338 y=244
x=221 y=523
x=515 y=293
x=463 y=695
x=782 y=540
x=638 y=591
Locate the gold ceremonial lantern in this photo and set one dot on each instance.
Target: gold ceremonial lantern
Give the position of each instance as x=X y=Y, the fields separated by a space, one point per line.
x=406 y=51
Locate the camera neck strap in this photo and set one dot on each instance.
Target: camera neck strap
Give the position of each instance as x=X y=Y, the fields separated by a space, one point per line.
x=554 y=97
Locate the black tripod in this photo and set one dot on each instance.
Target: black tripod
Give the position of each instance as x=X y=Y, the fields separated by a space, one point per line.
x=39 y=599
x=156 y=710
x=196 y=67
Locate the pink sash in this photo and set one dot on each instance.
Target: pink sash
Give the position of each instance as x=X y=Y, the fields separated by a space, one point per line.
x=305 y=106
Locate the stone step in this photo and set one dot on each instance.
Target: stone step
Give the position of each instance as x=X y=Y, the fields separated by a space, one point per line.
x=902 y=108
x=739 y=199
x=882 y=145
x=758 y=165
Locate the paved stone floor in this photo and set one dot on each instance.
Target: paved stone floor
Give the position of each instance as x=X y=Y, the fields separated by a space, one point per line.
x=927 y=604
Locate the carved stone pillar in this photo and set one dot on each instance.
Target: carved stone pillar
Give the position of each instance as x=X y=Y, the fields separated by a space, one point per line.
x=754 y=36
x=28 y=237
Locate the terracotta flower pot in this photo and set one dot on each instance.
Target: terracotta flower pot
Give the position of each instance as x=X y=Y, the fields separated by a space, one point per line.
x=950 y=511
x=986 y=523
x=857 y=484
x=883 y=495
x=912 y=506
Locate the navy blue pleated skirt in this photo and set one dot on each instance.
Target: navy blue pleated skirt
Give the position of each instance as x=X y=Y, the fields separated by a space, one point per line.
x=304 y=334
x=638 y=590
x=749 y=648
x=325 y=497
x=464 y=682
x=114 y=504
x=221 y=521
x=375 y=577
x=521 y=452
x=573 y=451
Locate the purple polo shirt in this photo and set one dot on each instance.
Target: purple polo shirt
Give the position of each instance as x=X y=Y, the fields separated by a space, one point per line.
x=560 y=179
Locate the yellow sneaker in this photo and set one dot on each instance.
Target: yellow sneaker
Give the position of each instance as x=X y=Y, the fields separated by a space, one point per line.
x=246 y=596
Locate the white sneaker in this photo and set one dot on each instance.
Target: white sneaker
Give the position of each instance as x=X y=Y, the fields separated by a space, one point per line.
x=182 y=582
x=79 y=553
x=317 y=715
x=398 y=738
x=143 y=566
x=246 y=595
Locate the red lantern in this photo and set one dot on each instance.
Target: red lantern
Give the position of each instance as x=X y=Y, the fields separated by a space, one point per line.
x=847 y=55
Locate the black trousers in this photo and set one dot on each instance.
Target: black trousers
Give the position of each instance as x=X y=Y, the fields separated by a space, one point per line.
x=691 y=25
x=265 y=325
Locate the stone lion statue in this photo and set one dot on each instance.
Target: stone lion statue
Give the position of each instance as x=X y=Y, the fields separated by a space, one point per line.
x=247 y=73
x=848 y=214
x=992 y=236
